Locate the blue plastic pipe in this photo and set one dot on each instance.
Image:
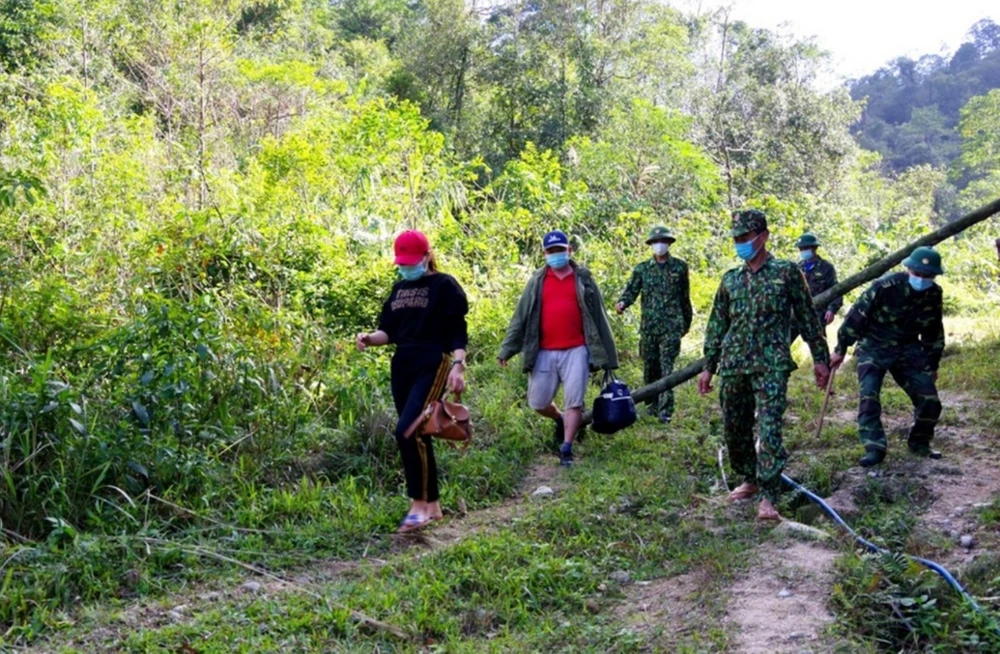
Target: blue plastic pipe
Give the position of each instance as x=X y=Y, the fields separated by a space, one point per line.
x=944 y=574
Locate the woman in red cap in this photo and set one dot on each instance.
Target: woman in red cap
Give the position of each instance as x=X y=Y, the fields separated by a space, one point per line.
x=425 y=318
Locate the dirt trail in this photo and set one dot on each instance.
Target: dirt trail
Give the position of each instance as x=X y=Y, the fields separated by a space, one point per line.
x=664 y=610
x=950 y=489
x=455 y=528
x=778 y=604
x=781 y=604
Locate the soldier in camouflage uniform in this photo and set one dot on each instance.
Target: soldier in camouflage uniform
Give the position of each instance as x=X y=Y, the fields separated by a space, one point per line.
x=662 y=280
x=898 y=328
x=820 y=276
x=747 y=344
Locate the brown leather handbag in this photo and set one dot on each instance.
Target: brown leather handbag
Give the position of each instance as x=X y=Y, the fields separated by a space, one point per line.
x=444 y=419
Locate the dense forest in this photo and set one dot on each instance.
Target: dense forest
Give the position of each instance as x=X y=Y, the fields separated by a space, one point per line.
x=918 y=112
x=198 y=200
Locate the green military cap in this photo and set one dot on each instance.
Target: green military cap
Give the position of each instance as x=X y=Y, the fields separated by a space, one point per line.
x=924 y=260
x=660 y=233
x=748 y=220
x=807 y=240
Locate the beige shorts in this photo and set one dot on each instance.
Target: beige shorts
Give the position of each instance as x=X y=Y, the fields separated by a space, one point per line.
x=571 y=368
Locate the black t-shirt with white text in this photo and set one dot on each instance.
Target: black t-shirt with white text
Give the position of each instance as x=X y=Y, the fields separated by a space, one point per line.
x=429 y=311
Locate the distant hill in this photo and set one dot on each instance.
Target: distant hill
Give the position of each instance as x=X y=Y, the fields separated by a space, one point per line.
x=913 y=105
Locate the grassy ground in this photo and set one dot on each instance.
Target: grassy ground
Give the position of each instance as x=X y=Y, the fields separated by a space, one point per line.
x=523 y=574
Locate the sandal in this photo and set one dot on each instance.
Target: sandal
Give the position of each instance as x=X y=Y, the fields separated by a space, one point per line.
x=413 y=522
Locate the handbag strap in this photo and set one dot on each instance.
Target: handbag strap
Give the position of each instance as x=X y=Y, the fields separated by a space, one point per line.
x=608 y=377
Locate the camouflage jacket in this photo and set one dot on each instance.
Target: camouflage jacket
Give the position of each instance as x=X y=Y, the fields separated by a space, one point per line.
x=666 y=296
x=821 y=276
x=891 y=315
x=748 y=329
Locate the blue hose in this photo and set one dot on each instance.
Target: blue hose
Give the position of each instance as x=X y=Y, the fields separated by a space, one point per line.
x=944 y=574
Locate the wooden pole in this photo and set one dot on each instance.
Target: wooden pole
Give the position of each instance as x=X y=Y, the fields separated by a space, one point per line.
x=826 y=402
x=872 y=272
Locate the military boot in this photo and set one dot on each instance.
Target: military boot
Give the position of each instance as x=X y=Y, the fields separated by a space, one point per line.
x=873 y=456
x=918 y=448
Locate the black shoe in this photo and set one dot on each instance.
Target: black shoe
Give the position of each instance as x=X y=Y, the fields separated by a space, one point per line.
x=923 y=450
x=566 y=455
x=558 y=433
x=872 y=457
x=665 y=417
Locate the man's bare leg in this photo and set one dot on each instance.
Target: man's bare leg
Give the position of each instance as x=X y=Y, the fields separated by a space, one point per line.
x=551 y=412
x=572 y=419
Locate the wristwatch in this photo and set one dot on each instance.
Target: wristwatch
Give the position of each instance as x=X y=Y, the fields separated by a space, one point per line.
x=458 y=362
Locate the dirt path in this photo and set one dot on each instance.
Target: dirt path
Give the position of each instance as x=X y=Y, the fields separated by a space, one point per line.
x=780 y=605
x=544 y=473
x=777 y=604
x=665 y=610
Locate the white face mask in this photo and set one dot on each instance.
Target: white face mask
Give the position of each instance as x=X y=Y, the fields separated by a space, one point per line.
x=660 y=249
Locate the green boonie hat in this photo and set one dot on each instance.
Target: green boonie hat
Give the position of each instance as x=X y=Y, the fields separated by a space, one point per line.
x=748 y=220
x=924 y=260
x=807 y=240
x=658 y=233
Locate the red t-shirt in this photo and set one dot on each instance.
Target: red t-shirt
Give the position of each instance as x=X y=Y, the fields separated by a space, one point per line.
x=562 y=321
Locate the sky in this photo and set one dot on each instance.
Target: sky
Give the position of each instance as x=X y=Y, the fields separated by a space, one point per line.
x=862 y=35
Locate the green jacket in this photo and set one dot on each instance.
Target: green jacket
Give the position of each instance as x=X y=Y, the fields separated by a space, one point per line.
x=748 y=329
x=891 y=316
x=666 y=297
x=523 y=332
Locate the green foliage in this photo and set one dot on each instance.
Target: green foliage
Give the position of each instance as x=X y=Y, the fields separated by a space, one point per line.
x=766 y=128
x=24 y=26
x=912 y=106
x=981 y=148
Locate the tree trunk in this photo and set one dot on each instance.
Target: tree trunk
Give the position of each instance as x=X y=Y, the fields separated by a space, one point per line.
x=872 y=272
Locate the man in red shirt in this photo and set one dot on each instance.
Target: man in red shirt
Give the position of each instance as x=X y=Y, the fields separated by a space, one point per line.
x=562 y=331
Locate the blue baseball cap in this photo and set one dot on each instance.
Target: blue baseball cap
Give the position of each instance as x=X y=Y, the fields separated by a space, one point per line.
x=555 y=239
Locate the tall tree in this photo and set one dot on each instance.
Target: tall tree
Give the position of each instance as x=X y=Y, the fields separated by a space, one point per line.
x=763 y=122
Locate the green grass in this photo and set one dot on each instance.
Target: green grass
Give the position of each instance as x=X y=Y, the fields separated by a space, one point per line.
x=538 y=579
x=634 y=502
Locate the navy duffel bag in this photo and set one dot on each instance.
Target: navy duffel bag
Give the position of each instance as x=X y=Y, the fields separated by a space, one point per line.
x=613 y=408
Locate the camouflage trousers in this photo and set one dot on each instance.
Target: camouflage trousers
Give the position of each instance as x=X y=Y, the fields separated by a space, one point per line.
x=759 y=462
x=907 y=366
x=658 y=355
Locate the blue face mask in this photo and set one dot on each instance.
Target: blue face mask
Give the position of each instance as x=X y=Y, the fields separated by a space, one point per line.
x=746 y=250
x=410 y=273
x=920 y=283
x=557 y=261
x=806 y=255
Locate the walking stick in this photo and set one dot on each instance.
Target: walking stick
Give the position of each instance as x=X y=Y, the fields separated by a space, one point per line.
x=826 y=402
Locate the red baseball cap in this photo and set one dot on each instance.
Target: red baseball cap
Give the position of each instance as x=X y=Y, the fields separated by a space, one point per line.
x=410 y=247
